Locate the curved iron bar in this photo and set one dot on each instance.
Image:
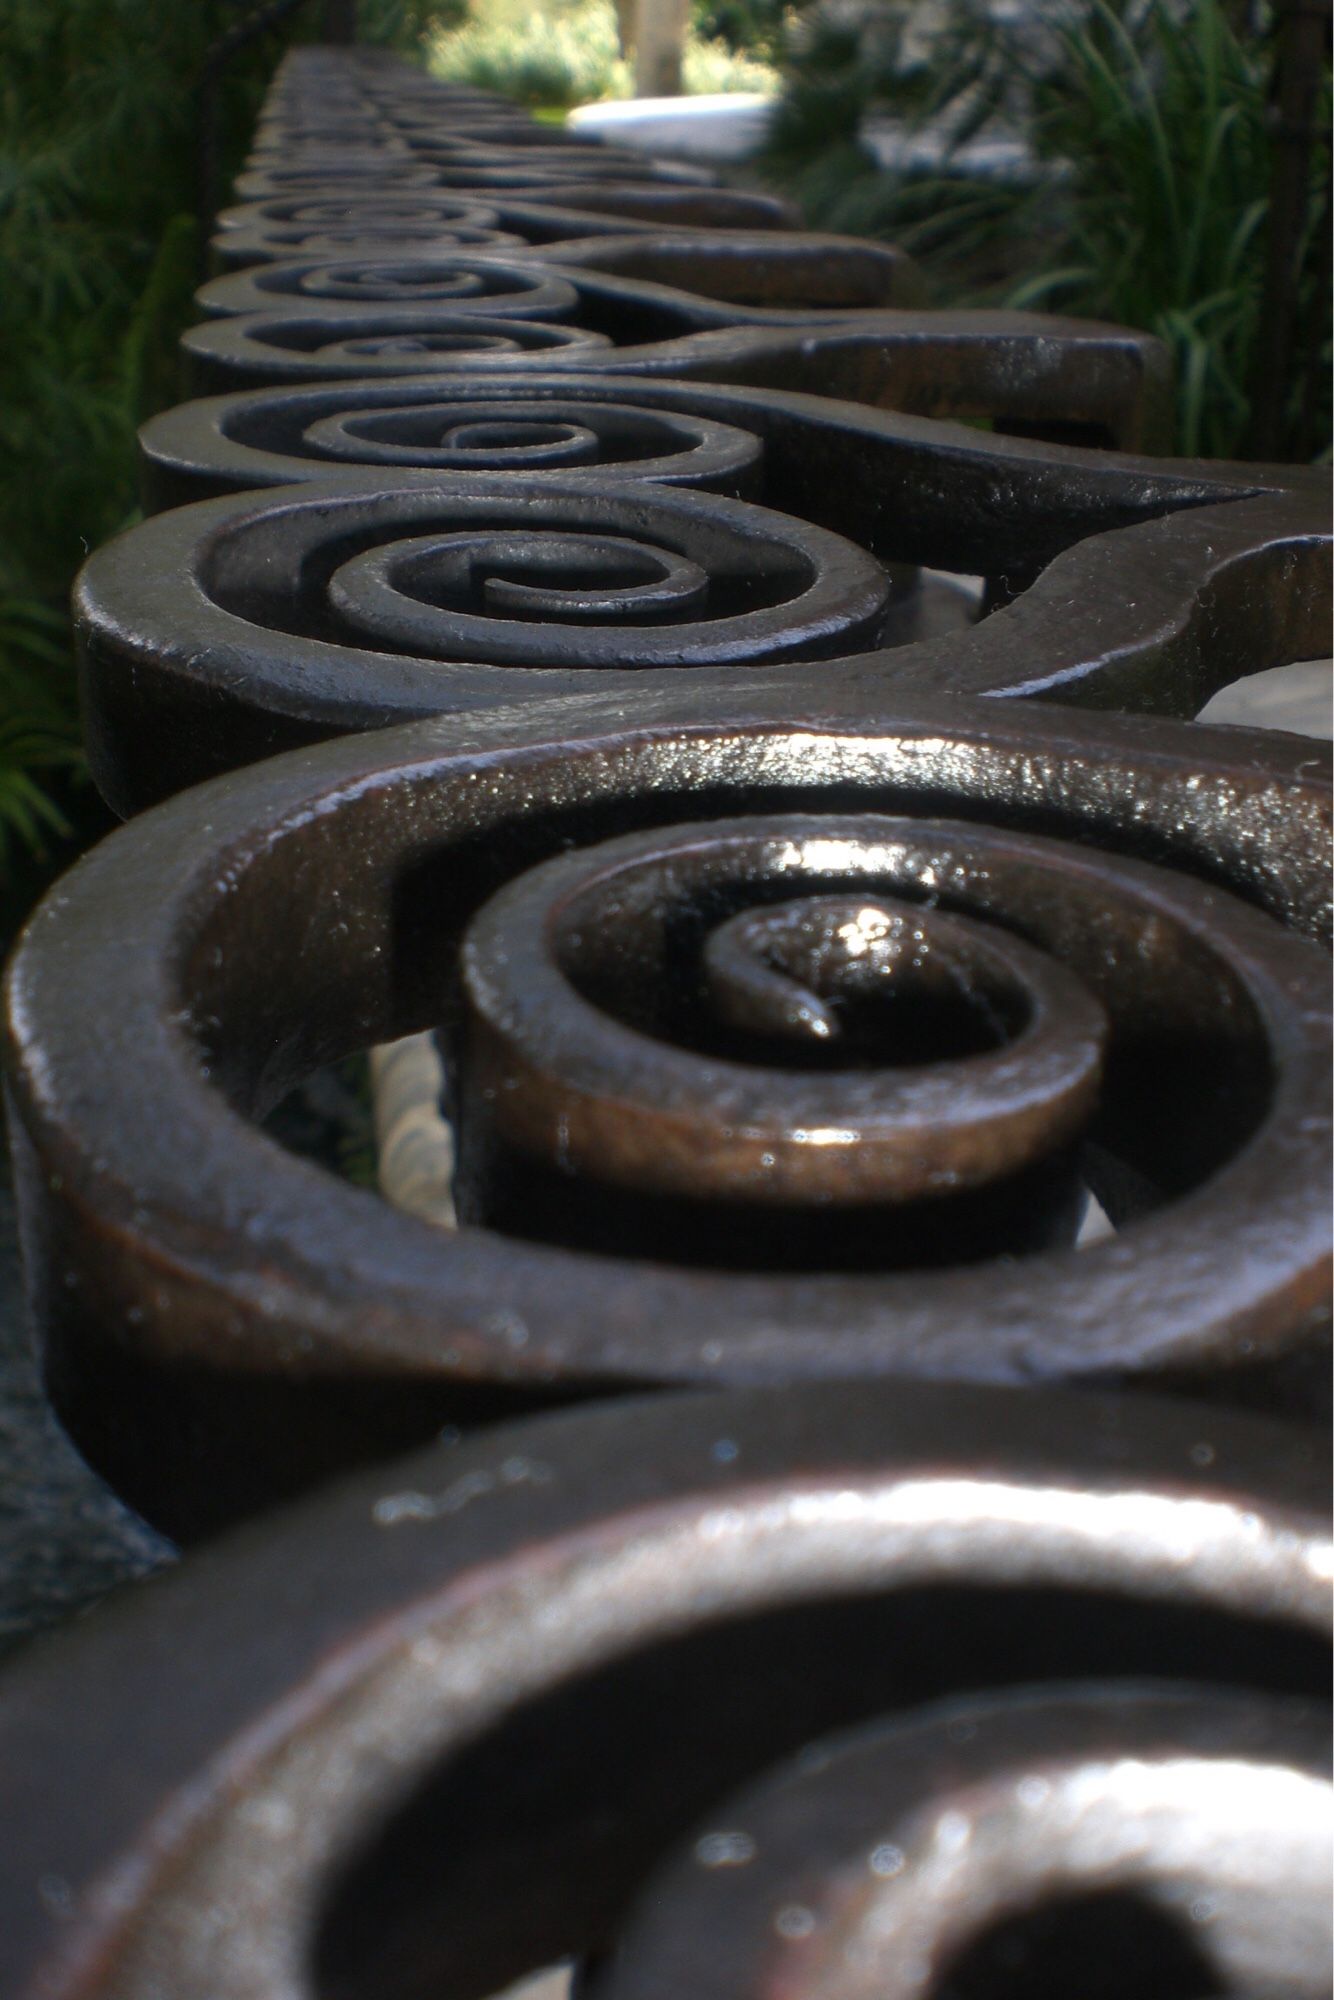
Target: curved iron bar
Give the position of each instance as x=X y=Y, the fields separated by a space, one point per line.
x=192 y=1278
x=213 y=634
x=789 y=1005
x=444 y=1724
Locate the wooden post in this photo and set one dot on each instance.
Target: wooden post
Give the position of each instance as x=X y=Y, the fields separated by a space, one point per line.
x=1301 y=28
x=340 y=21
x=660 y=34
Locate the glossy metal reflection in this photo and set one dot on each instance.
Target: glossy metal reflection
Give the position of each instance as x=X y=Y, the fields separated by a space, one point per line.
x=785 y=1021
x=226 y=610
x=442 y=1724
x=1159 y=1823
x=236 y=939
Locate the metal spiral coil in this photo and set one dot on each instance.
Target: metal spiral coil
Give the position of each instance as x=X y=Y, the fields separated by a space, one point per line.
x=515 y=1701
x=1017 y=367
x=321 y=608
x=899 y=1082
x=674 y=981
x=463 y=284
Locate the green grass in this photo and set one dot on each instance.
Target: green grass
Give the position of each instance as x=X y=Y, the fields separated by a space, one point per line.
x=554 y=59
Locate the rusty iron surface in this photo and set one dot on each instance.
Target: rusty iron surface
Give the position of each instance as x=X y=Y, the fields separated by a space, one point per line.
x=464 y=1715
x=316 y=904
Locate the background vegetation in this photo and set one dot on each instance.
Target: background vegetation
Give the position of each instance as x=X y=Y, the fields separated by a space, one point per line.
x=101 y=254
x=567 y=52
x=1148 y=123
x=1150 y=126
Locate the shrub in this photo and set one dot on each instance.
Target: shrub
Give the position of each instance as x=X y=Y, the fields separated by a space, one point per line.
x=712 y=66
x=1165 y=124
x=1151 y=135
x=99 y=247
x=537 y=58
x=572 y=56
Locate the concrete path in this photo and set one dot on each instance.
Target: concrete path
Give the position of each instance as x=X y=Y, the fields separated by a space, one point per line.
x=709 y=131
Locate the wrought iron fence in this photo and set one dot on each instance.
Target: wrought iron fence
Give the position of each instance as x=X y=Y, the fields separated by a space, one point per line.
x=739 y=724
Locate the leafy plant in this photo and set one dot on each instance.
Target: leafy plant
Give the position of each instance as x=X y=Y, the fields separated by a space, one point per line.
x=100 y=250
x=1149 y=128
x=711 y=66
x=1165 y=127
x=37 y=725
x=537 y=58
x=753 y=29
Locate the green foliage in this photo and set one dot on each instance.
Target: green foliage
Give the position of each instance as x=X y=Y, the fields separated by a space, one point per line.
x=407 y=25
x=713 y=67
x=38 y=730
x=99 y=247
x=537 y=58
x=561 y=56
x=1168 y=133
x=753 y=29
x=842 y=68
x=1151 y=117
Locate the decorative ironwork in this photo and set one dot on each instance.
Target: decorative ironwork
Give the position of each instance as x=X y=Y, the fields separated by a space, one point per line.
x=306 y=908
x=509 y=1701
x=213 y=635
x=790 y=996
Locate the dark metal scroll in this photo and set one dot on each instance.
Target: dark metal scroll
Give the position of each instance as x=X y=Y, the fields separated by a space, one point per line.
x=215 y=634
x=509 y=1702
x=596 y=544
x=1018 y=367
x=657 y=1187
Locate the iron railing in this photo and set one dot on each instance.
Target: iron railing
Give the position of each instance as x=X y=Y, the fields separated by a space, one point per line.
x=775 y=806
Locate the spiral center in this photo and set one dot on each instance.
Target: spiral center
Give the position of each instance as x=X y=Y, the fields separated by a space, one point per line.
x=567 y=577
x=869 y=981
x=518 y=433
x=415 y=437
x=566 y=443
x=378 y=212
x=633 y=1024
x=423 y=343
x=387 y=281
x=587 y=576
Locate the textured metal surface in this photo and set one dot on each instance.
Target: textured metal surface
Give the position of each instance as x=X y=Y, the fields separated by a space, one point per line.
x=769 y=268
x=1006 y=365
x=782 y=1004
x=869 y=1870
x=814 y=448
x=252 y=235
x=214 y=634
x=316 y=904
x=736 y=268
x=444 y=1724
